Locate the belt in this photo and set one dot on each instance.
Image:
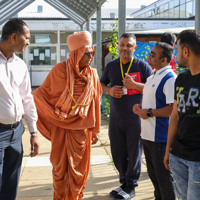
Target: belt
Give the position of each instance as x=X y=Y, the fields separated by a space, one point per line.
x=9 y=126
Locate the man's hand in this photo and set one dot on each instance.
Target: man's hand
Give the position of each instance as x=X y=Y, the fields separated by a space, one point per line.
x=34 y=145
x=136 y=108
x=166 y=160
x=129 y=82
x=116 y=91
x=94 y=138
x=141 y=112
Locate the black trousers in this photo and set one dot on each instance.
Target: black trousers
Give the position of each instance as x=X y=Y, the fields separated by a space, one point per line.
x=11 y=153
x=159 y=175
x=126 y=149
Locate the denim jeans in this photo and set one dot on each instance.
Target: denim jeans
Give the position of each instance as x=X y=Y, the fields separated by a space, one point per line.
x=186 y=175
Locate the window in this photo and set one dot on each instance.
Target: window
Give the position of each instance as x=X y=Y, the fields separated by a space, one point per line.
x=189 y=9
x=182 y=11
x=171 y=4
x=182 y=2
x=39 y=9
x=176 y=2
x=171 y=13
x=41 y=55
x=166 y=6
x=176 y=12
x=166 y=14
x=41 y=39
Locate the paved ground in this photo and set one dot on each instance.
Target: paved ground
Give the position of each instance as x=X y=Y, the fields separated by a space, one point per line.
x=36 y=180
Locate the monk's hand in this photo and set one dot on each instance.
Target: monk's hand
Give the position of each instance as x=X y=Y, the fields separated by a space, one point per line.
x=34 y=144
x=63 y=115
x=57 y=111
x=129 y=82
x=94 y=138
x=116 y=91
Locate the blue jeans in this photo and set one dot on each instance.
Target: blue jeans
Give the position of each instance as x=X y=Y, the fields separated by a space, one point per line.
x=186 y=175
x=11 y=153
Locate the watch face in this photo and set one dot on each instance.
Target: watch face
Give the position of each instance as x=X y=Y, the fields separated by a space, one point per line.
x=149 y=113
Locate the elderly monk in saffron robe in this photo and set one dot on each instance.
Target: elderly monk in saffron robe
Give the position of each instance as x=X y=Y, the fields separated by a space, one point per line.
x=68 y=105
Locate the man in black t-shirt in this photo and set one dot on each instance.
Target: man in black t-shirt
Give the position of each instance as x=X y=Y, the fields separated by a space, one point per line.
x=124 y=125
x=183 y=146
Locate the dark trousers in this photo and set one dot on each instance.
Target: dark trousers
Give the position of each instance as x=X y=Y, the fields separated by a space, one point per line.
x=159 y=175
x=11 y=153
x=126 y=149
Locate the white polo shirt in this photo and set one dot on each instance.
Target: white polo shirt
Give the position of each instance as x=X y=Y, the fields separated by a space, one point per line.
x=158 y=92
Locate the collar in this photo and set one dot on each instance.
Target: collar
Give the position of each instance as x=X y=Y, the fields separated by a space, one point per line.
x=13 y=57
x=118 y=60
x=160 y=71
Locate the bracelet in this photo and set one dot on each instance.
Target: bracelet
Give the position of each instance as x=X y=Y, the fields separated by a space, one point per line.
x=33 y=134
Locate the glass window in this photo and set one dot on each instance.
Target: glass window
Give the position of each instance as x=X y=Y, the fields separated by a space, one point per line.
x=182 y=11
x=189 y=9
x=176 y=12
x=39 y=9
x=167 y=14
x=41 y=39
x=182 y=2
x=171 y=13
x=176 y=2
x=166 y=6
x=148 y=14
x=162 y=15
x=171 y=4
x=162 y=8
x=40 y=55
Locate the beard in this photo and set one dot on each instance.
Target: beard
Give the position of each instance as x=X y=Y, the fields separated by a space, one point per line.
x=182 y=63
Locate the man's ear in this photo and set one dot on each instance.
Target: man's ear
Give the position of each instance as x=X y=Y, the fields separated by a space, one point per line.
x=164 y=60
x=186 y=51
x=13 y=37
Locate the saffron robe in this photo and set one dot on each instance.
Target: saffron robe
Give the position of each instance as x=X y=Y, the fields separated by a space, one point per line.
x=70 y=137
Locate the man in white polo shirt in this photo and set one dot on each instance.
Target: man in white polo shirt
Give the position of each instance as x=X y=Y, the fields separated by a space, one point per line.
x=157 y=103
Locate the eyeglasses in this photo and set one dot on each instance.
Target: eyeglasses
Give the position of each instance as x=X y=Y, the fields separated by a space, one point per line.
x=91 y=53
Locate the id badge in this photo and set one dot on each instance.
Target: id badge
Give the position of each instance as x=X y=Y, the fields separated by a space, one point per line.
x=125 y=90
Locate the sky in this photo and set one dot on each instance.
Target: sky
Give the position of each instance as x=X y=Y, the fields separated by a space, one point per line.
x=129 y=3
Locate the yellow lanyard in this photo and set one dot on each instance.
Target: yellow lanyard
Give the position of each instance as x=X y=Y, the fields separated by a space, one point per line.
x=129 y=67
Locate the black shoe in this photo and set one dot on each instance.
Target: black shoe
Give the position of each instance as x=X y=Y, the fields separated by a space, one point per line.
x=125 y=194
x=115 y=191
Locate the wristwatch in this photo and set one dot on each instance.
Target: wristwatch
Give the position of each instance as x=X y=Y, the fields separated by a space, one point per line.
x=149 y=113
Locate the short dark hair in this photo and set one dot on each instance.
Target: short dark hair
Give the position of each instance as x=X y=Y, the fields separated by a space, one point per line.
x=167 y=50
x=191 y=39
x=128 y=35
x=13 y=26
x=169 y=38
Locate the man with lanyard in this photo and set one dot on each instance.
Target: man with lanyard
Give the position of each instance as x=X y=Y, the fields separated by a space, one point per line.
x=157 y=104
x=124 y=125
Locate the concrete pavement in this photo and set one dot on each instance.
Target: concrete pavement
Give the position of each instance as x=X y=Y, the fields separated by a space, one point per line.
x=36 y=180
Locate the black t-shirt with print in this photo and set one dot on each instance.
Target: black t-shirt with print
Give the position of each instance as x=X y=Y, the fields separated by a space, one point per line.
x=187 y=94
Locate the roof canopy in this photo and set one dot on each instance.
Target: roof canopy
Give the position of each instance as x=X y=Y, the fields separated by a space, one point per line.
x=80 y=11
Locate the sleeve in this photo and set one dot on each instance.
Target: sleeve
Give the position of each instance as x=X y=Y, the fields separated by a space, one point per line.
x=169 y=90
x=30 y=113
x=105 y=78
x=175 y=91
